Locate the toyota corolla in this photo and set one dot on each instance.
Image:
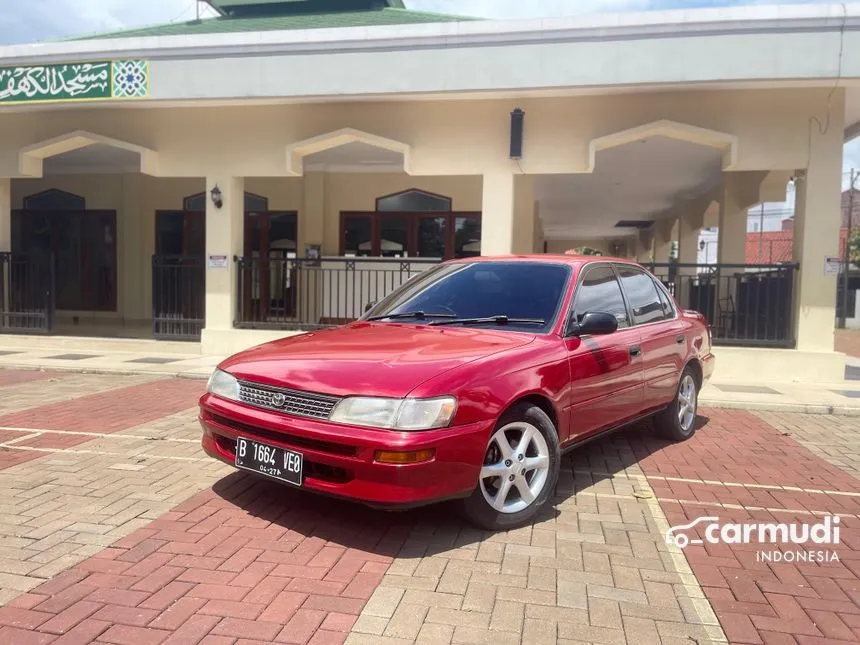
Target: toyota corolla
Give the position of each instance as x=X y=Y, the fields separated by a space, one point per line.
x=469 y=382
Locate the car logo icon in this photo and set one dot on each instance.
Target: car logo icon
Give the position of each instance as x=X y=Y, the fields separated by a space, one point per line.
x=681 y=540
x=279 y=400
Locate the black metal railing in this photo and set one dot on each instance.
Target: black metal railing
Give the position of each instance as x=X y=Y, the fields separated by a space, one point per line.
x=27 y=293
x=745 y=304
x=305 y=293
x=178 y=296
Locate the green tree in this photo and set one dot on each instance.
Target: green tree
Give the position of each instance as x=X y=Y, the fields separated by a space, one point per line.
x=587 y=250
x=854 y=248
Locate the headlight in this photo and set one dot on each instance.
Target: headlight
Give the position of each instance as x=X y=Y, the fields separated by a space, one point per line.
x=395 y=414
x=224 y=385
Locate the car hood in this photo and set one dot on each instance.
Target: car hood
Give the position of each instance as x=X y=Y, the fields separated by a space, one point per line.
x=374 y=359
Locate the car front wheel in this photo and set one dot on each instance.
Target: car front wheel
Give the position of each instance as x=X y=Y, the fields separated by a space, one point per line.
x=519 y=472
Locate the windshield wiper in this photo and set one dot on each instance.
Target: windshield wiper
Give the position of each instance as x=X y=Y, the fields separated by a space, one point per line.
x=420 y=315
x=495 y=320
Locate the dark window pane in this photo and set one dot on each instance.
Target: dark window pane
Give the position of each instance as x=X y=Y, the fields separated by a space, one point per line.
x=415 y=201
x=600 y=292
x=102 y=241
x=282 y=234
x=431 y=237
x=393 y=236
x=168 y=233
x=467 y=237
x=197 y=202
x=68 y=261
x=642 y=292
x=357 y=236
x=256 y=202
x=515 y=289
x=253 y=235
x=668 y=309
x=54 y=200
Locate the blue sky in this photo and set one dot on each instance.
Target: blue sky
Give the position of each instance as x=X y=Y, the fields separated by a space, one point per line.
x=23 y=21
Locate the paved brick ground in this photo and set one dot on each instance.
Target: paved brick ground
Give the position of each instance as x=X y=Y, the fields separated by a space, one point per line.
x=741 y=468
x=119 y=532
x=848 y=341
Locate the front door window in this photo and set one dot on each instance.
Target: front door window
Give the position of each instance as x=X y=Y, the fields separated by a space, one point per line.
x=83 y=245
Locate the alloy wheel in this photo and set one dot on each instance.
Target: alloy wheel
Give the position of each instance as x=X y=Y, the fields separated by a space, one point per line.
x=687 y=403
x=516 y=467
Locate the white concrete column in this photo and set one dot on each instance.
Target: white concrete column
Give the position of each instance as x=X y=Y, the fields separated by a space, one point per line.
x=663 y=238
x=816 y=234
x=224 y=237
x=5 y=214
x=689 y=228
x=312 y=216
x=508 y=214
x=732 y=238
x=497 y=213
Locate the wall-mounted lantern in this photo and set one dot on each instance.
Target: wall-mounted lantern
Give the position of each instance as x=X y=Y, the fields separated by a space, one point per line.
x=217 y=199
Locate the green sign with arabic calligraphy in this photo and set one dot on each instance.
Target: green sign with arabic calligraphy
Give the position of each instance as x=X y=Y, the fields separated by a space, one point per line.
x=119 y=79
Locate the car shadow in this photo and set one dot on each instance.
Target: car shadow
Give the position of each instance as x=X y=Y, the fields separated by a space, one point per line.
x=428 y=530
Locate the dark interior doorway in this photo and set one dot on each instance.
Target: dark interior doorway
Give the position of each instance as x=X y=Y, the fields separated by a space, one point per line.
x=83 y=243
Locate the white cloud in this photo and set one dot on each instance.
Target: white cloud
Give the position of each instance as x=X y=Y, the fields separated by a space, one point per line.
x=36 y=20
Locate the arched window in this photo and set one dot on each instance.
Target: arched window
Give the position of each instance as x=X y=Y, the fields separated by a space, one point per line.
x=55 y=200
x=253 y=202
x=413 y=201
x=412 y=223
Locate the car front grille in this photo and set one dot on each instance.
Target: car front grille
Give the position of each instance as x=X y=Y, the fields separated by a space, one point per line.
x=300 y=404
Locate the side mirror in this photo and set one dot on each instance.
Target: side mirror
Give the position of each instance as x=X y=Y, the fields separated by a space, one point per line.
x=595 y=323
x=369 y=306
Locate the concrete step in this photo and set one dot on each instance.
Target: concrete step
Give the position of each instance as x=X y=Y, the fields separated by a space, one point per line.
x=144 y=346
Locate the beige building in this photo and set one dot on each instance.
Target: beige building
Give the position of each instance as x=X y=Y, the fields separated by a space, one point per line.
x=275 y=169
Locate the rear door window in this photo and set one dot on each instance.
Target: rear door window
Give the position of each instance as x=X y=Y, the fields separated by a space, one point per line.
x=642 y=293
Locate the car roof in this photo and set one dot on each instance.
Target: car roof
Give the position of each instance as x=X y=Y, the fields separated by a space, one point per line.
x=547 y=258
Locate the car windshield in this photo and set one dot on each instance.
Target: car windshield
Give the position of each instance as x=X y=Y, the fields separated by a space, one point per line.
x=519 y=296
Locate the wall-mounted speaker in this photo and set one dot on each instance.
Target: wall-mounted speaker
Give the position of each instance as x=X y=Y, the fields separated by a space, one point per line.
x=518 y=118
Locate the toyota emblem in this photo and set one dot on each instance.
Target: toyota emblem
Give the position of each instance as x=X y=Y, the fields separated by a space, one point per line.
x=279 y=400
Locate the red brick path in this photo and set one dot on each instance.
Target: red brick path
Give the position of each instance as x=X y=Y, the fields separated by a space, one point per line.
x=105 y=412
x=248 y=560
x=762 y=602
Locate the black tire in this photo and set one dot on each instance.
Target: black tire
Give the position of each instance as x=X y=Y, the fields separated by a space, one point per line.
x=478 y=509
x=668 y=423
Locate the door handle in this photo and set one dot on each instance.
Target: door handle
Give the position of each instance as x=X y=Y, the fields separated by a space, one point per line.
x=680 y=339
x=635 y=350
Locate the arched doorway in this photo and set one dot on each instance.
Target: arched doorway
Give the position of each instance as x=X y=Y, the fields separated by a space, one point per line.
x=81 y=241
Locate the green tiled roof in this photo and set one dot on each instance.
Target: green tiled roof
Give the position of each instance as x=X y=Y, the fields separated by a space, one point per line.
x=226 y=24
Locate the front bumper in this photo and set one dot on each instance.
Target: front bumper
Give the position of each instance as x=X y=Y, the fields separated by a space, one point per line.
x=339 y=459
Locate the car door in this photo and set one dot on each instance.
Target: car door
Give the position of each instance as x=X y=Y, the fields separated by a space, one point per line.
x=661 y=334
x=605 y=371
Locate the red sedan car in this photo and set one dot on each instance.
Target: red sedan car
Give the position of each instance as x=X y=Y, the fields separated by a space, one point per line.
x=469 y=382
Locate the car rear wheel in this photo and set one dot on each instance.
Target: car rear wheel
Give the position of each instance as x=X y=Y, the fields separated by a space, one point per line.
x=519 y=472
x=678 y=421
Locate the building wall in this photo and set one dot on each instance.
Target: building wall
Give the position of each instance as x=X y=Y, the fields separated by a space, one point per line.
x=136 y=198
x=467 y=137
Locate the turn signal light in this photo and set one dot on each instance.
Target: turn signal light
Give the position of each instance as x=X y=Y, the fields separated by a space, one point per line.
x=414 y=457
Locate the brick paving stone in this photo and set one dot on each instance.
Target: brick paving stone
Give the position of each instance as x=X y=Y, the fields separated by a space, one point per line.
x=249 y=561
x=766 y=467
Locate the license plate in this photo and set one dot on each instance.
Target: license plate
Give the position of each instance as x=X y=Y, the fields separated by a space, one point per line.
x=278 y=463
